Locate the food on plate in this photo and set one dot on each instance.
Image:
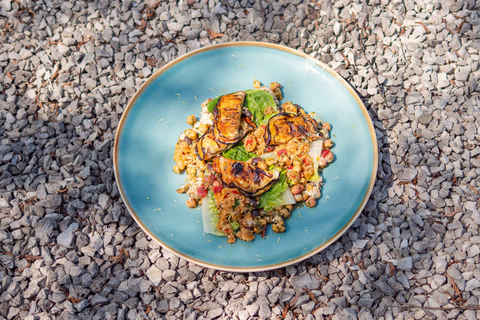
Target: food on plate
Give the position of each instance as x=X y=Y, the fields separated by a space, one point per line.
x=227 y=116
x=249 y=159
x=247 y=177
x=284 y=127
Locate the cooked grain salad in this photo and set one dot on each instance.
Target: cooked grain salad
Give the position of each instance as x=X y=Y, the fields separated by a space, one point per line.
x=249 y=159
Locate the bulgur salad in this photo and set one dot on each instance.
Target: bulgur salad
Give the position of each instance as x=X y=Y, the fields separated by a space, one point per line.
x=249 y=159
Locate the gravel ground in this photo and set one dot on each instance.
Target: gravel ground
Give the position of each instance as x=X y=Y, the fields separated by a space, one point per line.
x=70 y=250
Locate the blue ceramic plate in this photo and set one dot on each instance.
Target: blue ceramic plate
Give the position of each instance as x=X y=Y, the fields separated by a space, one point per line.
x=153 y=120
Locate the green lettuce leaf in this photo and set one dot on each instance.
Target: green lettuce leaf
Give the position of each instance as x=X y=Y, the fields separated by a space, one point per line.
x=238 y=153
x=212 y=104
x=256 y=102
x=210 y=215
x=315 y=153
x=276 y=196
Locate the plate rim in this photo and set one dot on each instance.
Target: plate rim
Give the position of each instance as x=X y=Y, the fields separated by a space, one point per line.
x=300 y=54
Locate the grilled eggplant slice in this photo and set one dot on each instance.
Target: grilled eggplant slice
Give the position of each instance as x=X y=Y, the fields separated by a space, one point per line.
x=283 y=127
x=248 y=179
x=207 y=147
x=227 y=117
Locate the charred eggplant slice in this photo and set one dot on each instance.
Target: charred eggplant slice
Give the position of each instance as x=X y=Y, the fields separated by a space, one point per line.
x=227 y=117
x=248 y=179
x=283 y=127
x=207 y=147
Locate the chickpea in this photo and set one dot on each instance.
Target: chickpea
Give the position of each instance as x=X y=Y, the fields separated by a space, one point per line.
x=298 y=197
x=275 y=85
x=313 y=191
x=297 y=168
x=289 y=107
x=330 y=157
x=191 y=120
x=191 y=134
x=305 y=196
x=285 y=213
x=297 y=162
x=326 y=126
x=191 y=203
x=277 y=216
x=177 y=169
x=296 y=189
x=181 y=165
x=308 y=171
x=259 y=223
x=191 y=171
x=288 y=163
x=311 y=202
x=278 y=227
x=293 y=177
x=276 y=88
x=322 y=163
x=268 y=219
x=328 y=143
x=202 y=128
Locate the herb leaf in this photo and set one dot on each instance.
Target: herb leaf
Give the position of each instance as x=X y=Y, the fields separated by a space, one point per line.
x=257 y=101
x=238 y=153
x=273 y=197
x=212 y=104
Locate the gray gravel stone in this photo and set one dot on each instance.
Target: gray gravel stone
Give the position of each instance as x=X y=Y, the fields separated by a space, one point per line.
x=66 y=237
x=44 y=229
x=305 y=281
x=405 y=264
x=472 y=284
x=154 y=275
